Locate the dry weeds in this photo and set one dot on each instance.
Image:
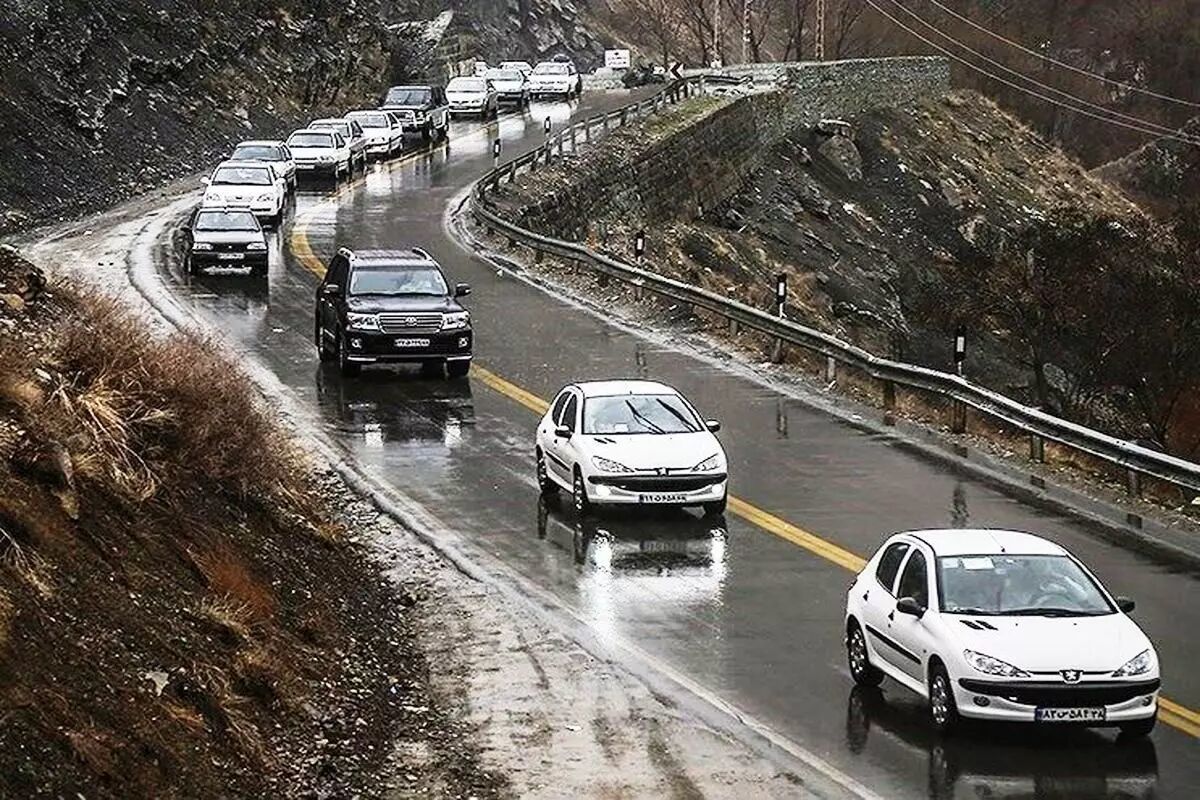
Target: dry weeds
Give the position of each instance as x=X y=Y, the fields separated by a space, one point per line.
x=231 y=617
x=229 y=577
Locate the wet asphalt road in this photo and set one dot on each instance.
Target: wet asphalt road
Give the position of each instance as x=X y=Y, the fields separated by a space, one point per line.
x=748 y=615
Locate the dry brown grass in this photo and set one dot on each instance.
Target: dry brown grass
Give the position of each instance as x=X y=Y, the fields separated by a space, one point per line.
x=7 y=611
x=230 y=578
x=231 y=617
x=228 y=710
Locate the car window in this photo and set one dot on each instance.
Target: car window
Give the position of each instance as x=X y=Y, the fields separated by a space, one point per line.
x=548 y=68
x=466 y=85
x=225 y=221
x=338 y=141
x=373 y=120
x=242 y=176
x=256 y=152
x=407 y=96
x=914 y=582
x=559 y=404
x=397 y=280
x=639 y=414
x=570 y=413
x=889 y=565
x=355 y=129
x=337 y=270
x=311 y=139
x=1018 y=585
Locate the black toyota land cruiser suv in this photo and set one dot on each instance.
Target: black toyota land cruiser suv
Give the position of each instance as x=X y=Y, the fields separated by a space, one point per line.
x=391 y=306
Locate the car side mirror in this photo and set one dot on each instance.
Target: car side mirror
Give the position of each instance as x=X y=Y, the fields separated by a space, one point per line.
x=462 y=289
x=1126 y=604
x=331 y=290
x=205 y=181
x=562 y=432
x=712 y=425
x=910 y=606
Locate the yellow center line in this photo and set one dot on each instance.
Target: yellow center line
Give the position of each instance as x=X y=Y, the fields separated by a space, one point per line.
x=1177 y=716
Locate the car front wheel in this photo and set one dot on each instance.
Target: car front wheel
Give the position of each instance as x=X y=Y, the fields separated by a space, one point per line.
x=547 y=486
x=1138 y=729
x=458 y=369
x=345 y=365
x=942 y=707
x=861 y=669
x=716 y=507
x=583 y=506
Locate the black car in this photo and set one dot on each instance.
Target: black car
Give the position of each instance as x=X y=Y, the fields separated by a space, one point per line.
x=391 y=306
x=420 y=109
x=226 y=237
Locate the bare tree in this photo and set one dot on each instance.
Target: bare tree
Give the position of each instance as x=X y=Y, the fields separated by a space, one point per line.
x=658 y=23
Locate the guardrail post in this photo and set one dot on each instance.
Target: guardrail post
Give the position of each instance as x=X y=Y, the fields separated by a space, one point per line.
x=1037 y=448
x=1133 y=482
x=606 y=122
x=623 y=117
x=512 y=172
x=889 y=403
x=830 y=369
x=572 y=138
x=733 y=327
x=958 y=417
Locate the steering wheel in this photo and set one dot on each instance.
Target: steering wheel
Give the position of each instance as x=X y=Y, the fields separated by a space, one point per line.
x=1038 y=601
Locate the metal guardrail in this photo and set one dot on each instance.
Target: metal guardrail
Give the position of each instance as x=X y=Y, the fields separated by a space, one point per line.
x=1138 y=461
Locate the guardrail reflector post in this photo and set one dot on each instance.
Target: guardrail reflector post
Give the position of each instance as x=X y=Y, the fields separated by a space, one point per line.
x=623 y=117
x=1037 y=448
x=958 y=417
x=1133 y=482
x=889 y=403
x=606 y=122
x=512 y=172
x=733 y=327
x=830 y=370
x=573 y=138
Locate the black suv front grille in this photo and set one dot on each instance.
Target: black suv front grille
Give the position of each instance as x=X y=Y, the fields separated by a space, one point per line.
x=1059 y=695
x=423 y=322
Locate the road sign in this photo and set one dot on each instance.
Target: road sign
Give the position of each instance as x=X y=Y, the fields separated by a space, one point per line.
x=960 y=347
x=639 y=244
x=496 y=148
x=675 y=73
x=780 y=292
x=547 y=125
x=616 y=59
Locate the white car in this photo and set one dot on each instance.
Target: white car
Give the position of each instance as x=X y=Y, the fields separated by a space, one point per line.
x=253 y=185
x=629 y=443
x=523 y=67
x=510 y=86
x=352 y=132
x=320 y=152
x=472 y=96
x=555 y=79
x=1000 y=625
x=274 y=153
x=384 y=133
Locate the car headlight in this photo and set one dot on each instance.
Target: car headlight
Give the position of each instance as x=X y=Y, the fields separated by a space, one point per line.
x=993 y=666
x=256 y=246
x=264 y=198
x=202 y=246
x=418 y=117
x=456 y=320
x=324 y=158
x=1138 y=665
x=362 y=322
x=709 y=464
x=213 y=196
x=608 y=465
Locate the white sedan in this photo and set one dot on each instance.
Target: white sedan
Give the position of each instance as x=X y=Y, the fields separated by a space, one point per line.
x=1000 y=625
x=630 y=443
x=252 y=185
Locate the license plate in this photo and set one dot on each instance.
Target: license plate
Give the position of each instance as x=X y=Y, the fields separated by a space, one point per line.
x=412 y=343
x=230 y=256
x=660 y=497
x=1070 y=714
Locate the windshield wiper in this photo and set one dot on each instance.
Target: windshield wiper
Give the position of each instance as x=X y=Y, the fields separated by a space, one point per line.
x=686 y=422
x=1047 y=612
x=974 y=612
x=646 y=423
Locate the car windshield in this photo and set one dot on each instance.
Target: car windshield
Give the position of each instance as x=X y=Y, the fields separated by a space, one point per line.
x=1017 y=585
x=548 y=68
x=517 y=65
x=257 y=152
x=639 y=413
x=310 y=140
x=465 y=85
x=371 y=120
x=503 y=75
x=225 y=221
x=398 y=281
x=402 y=96
x=341 y=127
x=241 y=176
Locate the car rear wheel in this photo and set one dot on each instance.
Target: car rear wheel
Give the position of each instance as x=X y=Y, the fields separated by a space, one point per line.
x=345 y=365
x=1138 y=729
x=861 y=669
x=547 y=486
x=458 y=369
x=583 y=506
x=942 y=708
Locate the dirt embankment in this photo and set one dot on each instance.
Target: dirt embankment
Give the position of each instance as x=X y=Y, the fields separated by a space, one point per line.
x=102 y=99
x=181 y=615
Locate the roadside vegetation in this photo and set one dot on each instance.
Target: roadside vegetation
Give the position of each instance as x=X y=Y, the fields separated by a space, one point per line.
x=180 y=613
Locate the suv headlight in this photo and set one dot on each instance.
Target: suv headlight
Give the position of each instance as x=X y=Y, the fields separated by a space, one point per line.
x=709 y=464
x=993 y=666
x=324 y=158
x=263 y=198
x=1138 y=665
x=201 y=246
x=256 y=246
x=362 y=322
x=608 y=465
x=456 y=320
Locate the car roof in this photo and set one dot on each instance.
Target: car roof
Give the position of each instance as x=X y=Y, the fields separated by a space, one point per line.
x=422 y=86
x=622 y=387
x=407 y=256
x=339 y=120
x=984 y=541
x=259 y=143
x=309 y=130
x=238 y=163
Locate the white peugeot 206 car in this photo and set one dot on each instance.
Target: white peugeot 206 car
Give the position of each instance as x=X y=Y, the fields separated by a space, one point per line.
x=1000 y=625
x=628 y=443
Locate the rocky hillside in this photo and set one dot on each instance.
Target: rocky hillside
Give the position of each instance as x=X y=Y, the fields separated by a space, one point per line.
x=1163 y=175
x=100 y=99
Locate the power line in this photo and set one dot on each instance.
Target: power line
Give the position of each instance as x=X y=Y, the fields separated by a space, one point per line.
x=1162 y=129
x=1025 y=89
x=1056 y=62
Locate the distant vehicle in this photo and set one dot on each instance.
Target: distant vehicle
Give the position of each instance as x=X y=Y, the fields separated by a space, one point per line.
x=555 y=79
x=352 y=132
x=226 y=237
x=1000 y=625
x=473 y=97
x=511 y=86
x=630 y=442
x=391 y=306
x=383 y=132
x=320 y=152
x=250 y=185
x=420 y=109
x=523 y=67
x=275 y=153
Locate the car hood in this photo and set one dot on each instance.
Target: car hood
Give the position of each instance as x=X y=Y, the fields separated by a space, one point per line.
x=234 y=192
x=1050 y=644
x=508 y=86
x=466 y=95
x=374 y=304
x=377 y=134
x=312 y=152
x=228 y=237
x=676 y=451
x=549 y=78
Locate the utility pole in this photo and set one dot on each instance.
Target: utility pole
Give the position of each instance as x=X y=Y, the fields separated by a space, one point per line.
x=745 y=31
x=716 y=33
x=819 y=53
